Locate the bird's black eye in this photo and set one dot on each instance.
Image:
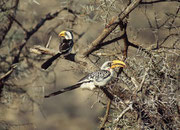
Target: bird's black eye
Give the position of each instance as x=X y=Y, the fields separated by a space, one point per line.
x=109 y=64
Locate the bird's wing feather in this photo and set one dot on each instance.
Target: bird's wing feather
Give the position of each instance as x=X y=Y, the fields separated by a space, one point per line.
x=101 y=75
x=65 y=46
x=98 y=76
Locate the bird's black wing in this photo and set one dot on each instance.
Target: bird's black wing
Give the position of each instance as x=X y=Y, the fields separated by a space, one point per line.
x=46 y=64
x=66 y=46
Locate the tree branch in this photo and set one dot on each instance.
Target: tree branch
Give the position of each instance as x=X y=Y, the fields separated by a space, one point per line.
x=112 y=25
x=5 y=77
x=6 y=23
x=106 y=115
x=158 y=1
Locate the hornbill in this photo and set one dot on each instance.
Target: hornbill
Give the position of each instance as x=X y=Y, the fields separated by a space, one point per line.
x=65 y=48
x=95 y=79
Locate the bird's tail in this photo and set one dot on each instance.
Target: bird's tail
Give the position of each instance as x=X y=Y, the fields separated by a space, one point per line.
x=46 y=64
x=107 y=93
x=63 y=90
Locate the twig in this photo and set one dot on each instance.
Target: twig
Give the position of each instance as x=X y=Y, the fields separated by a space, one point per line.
x=136 y=83
x=15 y=20
x=107 y=43
x=5 y=8
x=106 y=115
x=42 y=50
x=36 y=2
x=142 y=82
x=7 y=74
x=123 y=27
x=5 y=77
x=121 y=114
x=48 y=43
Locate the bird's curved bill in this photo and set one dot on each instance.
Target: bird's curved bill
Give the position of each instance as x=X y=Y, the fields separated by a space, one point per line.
x=117 y=63
x=62 y=34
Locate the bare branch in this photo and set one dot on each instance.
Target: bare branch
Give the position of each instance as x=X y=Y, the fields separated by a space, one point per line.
x=105 y=118
x=158 y=1
x=42 y=50
x=15 y=20
x=6 y=75
x=112 y=25
x=5 y=25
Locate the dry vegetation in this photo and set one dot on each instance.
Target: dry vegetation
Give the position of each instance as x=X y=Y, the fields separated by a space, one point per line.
x=145 y=34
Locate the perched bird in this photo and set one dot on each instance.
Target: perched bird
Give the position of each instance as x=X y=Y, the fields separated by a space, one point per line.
x=65 y=48
x=95 y=79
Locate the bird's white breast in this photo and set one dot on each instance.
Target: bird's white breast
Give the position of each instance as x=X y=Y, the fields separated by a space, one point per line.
x=89 y=86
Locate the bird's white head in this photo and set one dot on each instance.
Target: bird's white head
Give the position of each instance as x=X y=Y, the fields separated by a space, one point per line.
x=112 y=64
x=66 y=34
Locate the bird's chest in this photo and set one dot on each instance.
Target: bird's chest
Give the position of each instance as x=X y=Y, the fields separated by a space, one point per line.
x=65 y=46
x=88 y=85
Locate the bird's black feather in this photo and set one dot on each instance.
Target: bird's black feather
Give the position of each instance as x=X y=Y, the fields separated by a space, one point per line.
x=46 y=64
x=64 y=90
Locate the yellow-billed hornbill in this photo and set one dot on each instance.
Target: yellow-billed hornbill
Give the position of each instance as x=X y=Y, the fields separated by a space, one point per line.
x=95 y=79
x=65 y=48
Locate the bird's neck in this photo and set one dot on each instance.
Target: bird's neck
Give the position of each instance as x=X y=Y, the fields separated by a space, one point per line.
x=110 y=70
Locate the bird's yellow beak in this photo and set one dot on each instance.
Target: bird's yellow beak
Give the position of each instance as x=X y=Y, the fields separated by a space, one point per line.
x=117 y=63
x=62 y=34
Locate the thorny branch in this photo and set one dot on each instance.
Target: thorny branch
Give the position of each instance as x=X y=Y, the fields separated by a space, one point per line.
x=112 y=25
x=122 y=113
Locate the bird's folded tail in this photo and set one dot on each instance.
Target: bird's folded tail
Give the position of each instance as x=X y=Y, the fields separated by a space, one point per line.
x=107 y=93
x=64 y=90
x=46 y=64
